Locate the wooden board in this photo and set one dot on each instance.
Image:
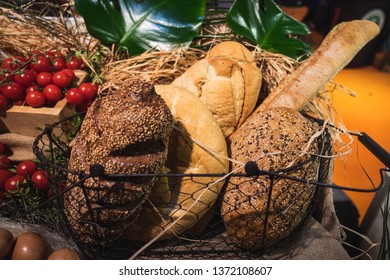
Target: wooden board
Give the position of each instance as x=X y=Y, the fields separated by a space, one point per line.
x=28 y=121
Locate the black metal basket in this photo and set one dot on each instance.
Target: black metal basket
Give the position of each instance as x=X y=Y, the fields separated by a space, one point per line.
x=207 y=239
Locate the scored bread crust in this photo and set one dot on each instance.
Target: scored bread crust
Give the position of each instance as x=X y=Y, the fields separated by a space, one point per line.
x=176 y=204
x=228 y=81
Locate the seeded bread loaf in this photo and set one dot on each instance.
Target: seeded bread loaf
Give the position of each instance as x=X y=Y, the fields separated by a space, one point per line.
x=261 y=211
x=275 y=140
x=127 y=133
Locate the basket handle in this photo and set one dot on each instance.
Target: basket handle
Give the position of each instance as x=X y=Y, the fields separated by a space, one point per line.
x=375 y=148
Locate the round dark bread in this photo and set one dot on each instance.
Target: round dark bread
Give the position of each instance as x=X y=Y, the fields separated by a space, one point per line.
x=255 y=215
x=126 y=132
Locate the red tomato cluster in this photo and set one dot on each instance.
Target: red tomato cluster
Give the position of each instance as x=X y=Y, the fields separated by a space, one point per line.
x=14 y=176
x=42 y=79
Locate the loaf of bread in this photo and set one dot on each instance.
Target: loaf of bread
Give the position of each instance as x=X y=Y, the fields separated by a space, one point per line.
x=337 y=49
x=127 y=133
x=257 y=215
x=197 y=146
x=227 y=81
x=259 y=212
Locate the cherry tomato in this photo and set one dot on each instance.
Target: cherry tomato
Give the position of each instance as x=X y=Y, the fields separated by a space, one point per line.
x=61 y=79
x=95 y=86
x=23 y=61
x=5 y=162
x=32 y=88
x=9 y=63
x=39 y=179
x=52 y=54
x=58 y=63
x=7 y=77
x=26 y=78
x=70 y=72
x=34 y=53
x=52 y=93
x=2 y=148
x=74 y=63
x=26 y=167
x=13 y=90
x=35 y=99
x=41 y=64
x=13 y=183
x=35 y=73
x=74 y=96
x=88 y=89
x=44 y=78
x=3 y=102
x=4 y=176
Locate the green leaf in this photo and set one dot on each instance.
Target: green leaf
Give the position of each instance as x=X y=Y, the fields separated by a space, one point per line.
x=138 y=25
x=269 y=27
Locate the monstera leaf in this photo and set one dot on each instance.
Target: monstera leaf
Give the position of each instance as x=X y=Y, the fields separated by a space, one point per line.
x=138 y=25
x=268 y=27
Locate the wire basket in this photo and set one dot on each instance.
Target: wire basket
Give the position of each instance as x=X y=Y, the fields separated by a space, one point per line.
x=207 y=238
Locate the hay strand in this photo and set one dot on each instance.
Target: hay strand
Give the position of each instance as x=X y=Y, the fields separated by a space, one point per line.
x=24 y=31
x=157 y=67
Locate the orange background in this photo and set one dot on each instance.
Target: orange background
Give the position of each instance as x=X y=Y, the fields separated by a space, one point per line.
x=367 y=112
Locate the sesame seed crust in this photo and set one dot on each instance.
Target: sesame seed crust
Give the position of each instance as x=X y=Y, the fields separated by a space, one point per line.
x=128 y=133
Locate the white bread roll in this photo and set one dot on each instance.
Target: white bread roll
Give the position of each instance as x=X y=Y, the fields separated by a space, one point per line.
x=176 y=204
x=227 y=81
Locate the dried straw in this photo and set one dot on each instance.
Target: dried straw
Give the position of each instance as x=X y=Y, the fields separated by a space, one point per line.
x=157 y=67
x=274 y=67
x=162 y=67
x=22 y=32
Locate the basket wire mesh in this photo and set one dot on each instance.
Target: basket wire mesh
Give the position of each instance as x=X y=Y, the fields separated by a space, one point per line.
x=206 y=239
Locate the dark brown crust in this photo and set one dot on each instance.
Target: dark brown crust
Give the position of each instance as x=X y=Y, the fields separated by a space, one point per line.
x=128 y=133
x=275 y=140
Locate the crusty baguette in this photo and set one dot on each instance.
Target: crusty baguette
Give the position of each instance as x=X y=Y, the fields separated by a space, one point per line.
x=337 y=49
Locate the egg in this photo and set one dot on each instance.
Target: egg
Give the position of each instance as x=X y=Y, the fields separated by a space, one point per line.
x=64 y=253
x=6 y=242
x=30 y=246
